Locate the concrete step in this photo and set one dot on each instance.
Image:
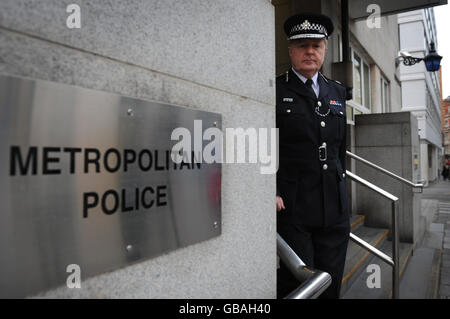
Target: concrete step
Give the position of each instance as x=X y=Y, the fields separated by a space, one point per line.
x=359 y=288
x=357 y=257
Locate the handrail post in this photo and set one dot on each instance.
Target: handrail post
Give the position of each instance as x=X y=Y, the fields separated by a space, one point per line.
x=395 y=252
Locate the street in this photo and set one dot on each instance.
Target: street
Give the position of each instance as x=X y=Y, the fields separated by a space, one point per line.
x=440 y=229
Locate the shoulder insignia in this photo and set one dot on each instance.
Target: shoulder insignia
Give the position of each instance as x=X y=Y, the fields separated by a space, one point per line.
x=328 y=79
x=284 y=76
x=323 y=77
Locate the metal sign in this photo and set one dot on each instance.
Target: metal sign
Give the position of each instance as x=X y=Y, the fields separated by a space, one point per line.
x=87 y=179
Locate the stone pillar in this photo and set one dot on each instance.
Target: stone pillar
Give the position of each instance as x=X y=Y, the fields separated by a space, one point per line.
x=391 y=141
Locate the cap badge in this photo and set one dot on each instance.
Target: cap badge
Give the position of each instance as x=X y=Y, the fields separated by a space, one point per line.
x=306 y=25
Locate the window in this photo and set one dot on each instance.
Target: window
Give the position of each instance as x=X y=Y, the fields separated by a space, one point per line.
x=349 y=111
x=340 y=54
x=357 y=85
x=430 y=157
x=361 y=81
x=366 y=86
x=384 y=95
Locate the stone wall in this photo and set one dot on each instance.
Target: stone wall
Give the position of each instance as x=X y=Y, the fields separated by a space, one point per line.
x=217 y=57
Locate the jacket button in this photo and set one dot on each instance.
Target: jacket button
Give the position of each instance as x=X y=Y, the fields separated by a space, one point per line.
x=319 y=103
x=343 y=175
x=325 y=167
x=322 y=124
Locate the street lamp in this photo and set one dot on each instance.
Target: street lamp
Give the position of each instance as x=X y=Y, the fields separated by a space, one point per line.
x=432 y=60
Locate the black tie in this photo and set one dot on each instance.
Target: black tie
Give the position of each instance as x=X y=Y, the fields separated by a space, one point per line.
x=308 y=84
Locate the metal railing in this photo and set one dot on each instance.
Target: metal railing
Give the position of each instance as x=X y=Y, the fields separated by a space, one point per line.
x=395 y=260
x=313 y=282
x=385 y=171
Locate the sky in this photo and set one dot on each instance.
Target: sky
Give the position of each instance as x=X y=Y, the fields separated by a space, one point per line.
x=442 y=14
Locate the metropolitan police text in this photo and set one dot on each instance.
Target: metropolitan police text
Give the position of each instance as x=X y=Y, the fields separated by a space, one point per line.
x=63 y=160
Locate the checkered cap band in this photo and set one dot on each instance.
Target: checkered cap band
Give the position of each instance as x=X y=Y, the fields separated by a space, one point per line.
x=307 y=26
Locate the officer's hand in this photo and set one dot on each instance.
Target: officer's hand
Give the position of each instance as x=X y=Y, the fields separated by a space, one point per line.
x=280 y=204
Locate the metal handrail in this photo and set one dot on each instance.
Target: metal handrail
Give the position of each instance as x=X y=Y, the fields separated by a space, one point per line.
x=314 y=282
x=395 y=260
x=385 y=171
x=372 y=249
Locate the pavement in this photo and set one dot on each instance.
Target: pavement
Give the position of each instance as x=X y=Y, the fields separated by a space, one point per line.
x=439 y=232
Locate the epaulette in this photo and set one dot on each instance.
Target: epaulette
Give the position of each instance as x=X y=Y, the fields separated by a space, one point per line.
x=283 y=76
x=328 y=79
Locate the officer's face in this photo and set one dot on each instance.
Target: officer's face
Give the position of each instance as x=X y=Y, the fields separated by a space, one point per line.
x=307 y=55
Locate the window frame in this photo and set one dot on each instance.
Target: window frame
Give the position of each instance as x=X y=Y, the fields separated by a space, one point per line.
x=385 y=95
x=361 y=107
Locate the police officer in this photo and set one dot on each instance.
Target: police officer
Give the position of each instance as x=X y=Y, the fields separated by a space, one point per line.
x=312 y=212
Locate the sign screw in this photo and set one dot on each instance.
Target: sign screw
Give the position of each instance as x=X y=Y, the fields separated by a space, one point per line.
x=129 y=248
x=215 y=123
x=216 y=224
x=130 y=112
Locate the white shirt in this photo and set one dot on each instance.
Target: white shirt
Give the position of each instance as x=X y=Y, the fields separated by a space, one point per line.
x=315 y=85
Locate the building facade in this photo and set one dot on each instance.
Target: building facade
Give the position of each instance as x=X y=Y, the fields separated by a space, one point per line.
x=421 y=89
x=445 y=111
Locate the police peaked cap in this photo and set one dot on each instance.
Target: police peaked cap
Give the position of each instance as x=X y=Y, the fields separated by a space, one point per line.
x=308 y=26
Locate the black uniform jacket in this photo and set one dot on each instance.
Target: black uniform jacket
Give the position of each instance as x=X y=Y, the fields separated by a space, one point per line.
x=311 y=174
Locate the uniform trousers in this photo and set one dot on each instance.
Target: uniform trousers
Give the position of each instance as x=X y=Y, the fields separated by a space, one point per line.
x=321 y=248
